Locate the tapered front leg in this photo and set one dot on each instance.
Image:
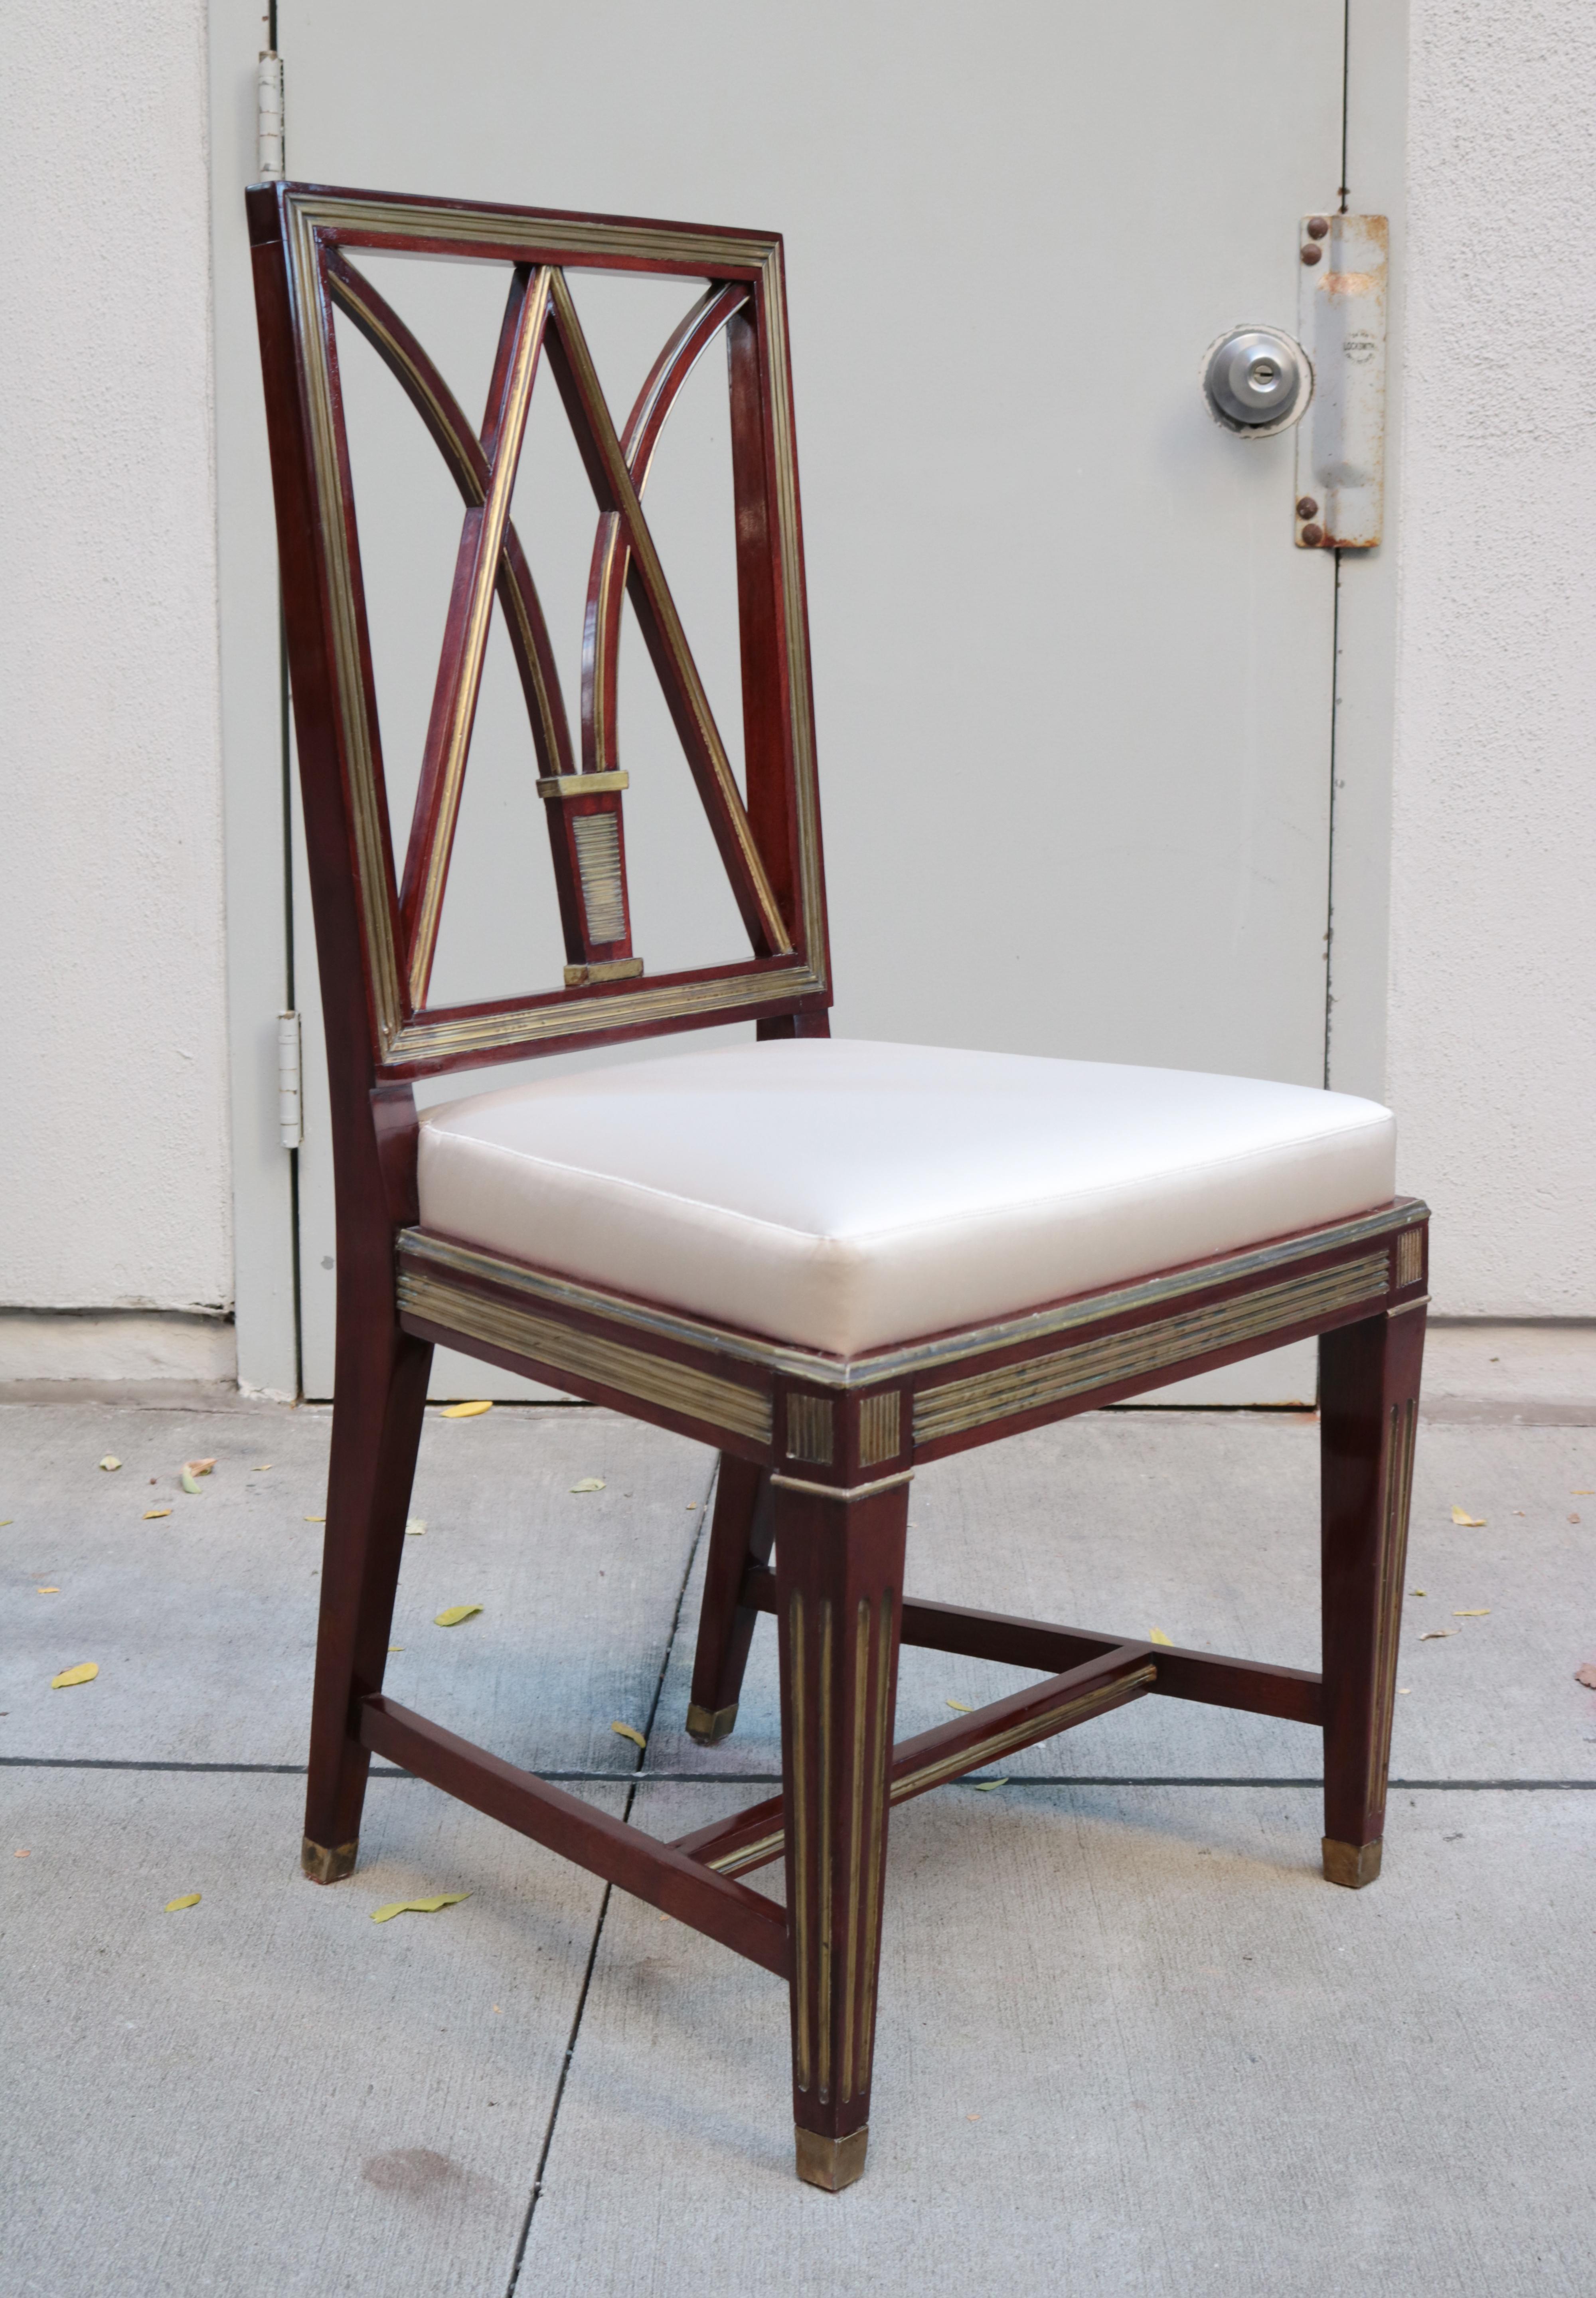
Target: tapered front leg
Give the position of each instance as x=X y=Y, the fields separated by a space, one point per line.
x=739 y=1535
x=379 y=1400
x=839 y=1597
x=1369 y=1410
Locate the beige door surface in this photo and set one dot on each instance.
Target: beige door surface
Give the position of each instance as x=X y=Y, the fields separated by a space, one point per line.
x=1074 y=685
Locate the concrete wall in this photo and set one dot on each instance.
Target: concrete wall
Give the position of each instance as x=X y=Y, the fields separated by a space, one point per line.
x=1491 y=1058
x=116 y=1163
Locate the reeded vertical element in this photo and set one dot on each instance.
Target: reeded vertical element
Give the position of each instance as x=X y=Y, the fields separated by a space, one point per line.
x=857 y=1786
x=798 y=1880
x=838 y=1570
x=465 y=634
x=1393 y=1562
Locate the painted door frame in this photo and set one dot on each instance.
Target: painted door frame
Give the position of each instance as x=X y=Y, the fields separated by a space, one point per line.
x=254 y=750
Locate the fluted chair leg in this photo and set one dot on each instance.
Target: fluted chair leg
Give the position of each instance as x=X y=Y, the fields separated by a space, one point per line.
x=379 y=1400
x=739 y=1535
x=839 y=1604
x=1369 y=1407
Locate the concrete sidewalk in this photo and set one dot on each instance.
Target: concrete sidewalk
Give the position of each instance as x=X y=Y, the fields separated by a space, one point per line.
x=1129 y=2042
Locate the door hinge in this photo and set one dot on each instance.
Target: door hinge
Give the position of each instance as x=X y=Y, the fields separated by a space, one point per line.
x=268 y=115
x=291 y=1118
x=1341 y=441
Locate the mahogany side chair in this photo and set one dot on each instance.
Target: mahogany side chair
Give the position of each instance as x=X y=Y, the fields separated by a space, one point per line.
x=830 y=1260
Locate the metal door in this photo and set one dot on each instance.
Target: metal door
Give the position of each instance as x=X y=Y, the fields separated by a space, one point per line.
x=1074 y=680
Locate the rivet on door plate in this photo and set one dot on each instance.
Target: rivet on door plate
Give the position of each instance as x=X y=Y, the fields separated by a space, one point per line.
x=1341 y=439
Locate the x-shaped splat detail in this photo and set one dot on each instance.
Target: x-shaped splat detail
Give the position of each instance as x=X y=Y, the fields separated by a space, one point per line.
x=585 y=827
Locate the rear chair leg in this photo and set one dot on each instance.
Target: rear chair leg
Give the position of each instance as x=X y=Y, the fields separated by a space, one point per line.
x=1369 y=1408
x=739 y=1535
x=380 y=1397
x=839 y=1597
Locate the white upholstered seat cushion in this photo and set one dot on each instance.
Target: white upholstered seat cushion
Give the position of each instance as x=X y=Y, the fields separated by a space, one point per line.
x=845 y=1195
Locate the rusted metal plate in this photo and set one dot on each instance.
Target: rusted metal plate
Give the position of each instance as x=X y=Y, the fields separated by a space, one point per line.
x=1341 y=439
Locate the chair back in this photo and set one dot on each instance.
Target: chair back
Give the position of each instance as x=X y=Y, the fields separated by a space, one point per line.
x=378 y=918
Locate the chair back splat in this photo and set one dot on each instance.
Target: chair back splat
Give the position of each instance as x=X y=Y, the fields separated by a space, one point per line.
x=833 y=1262
x=307 y=245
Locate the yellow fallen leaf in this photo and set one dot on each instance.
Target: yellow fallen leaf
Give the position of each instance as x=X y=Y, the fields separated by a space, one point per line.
x=84 y=1673
x=1433 y=1635
x=465 y=1411
x=1403 y=1690
x=589 y=1485
x=415 y=1525
x=629 y=1732
x=1462 y=1515
x=111 y=1461
x=1483 y=1614
x=189 y=1481
x=200 y=1467
x=46 y=1592
x=4 y=1520
x=316 y=1520
x=395 y=1648
x=1582 y=1491
x=1157 y=1636
x=189 y=1900
x=418 y=1906
x=456 y=1613
x=260 y=1467
x=985 y=1787
x=963 y=1705
x=150 y=1512
x=1418 y=1591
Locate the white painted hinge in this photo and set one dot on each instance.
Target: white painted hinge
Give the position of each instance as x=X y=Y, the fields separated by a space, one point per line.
x=268 y=115
x=1341 y=441
x=290 y=1119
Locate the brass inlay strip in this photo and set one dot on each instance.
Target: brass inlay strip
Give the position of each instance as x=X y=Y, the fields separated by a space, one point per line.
x=855 y=1828
x=455 y=739
x=1396 y=1499
x=811 y=1429
x=582 y=785
x=875 y=1844
x=313 y=319
x=519 y=236
x=847 y=1373
x=881 y=1425
x=603 y=969
x=1019 y=1735
x=772 y=307
x=969 y=1403
x=1409 y=1257
x=754 y=1853
x=798 y=1881
x=480 y=1030
x=843 y=1491
x=747 y=1855
x=826 y=1696
x=676 y=1387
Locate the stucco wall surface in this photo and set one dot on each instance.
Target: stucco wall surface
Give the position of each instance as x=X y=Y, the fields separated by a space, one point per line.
x=115 y=1166
x=1493 y=1010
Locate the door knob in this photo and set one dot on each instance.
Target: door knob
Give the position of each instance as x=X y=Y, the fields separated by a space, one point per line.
x=1258 y=381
